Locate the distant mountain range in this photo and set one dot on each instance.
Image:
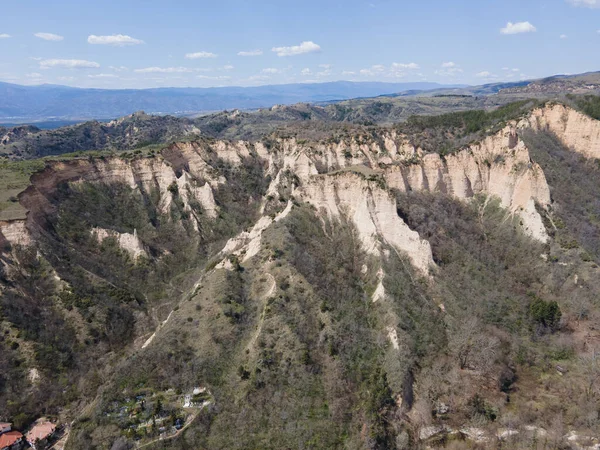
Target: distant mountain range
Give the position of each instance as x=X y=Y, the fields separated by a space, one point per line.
x=36 y=103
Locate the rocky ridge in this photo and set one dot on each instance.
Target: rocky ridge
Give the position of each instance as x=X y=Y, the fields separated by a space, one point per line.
x=352 y=177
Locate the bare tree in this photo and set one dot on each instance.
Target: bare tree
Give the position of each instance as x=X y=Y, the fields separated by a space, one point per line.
x=591 y=371
x=472 y=345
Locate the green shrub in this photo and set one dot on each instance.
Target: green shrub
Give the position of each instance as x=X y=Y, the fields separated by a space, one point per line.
x=588 y=104
x=173 y=188
x=479 y=408
x=546 y=314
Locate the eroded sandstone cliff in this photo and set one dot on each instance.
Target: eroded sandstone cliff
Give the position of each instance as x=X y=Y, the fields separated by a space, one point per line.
x=353 y=176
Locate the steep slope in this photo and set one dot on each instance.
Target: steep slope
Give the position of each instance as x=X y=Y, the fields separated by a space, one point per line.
x=574 y=129
x=355 y=292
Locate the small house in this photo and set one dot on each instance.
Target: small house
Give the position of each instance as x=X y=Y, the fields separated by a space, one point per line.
x=11 y=440
x=5 y=427
x=39 y=435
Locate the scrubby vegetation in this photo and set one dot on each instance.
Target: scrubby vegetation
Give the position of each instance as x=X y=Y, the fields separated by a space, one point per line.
x=293 y=345
x=73 y=301
x=510 y=316
x=448 y=132
x=588 y=104
x=573 y=220
x=313 y=361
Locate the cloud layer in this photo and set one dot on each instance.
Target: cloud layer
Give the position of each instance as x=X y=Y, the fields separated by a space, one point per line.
x=517 y=28
x=409 y=66
x=49 y=36
x=199 y=55
x=118 y=40
x=68 y=64
x=586 y=3
x=304 y=47
x=164 y=70
x=4 y=36
x=250 y=53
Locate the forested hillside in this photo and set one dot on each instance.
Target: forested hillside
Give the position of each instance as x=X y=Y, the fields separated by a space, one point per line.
x=431 y=284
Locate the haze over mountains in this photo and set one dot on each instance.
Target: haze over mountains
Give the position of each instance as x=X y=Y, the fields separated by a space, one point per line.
x=31 y=103
x=63 y=105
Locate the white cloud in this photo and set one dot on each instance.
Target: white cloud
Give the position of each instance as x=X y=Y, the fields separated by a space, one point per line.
x=68 y=64
x=348 y=72
x=410 y=66
x=228 y=67
x=485 y=74
x=199 y=55
x=164 y=70
x=516 y=28
x=325 y=66
x=118 y=68
x=586 y=3
x=258 y=77
x=563 y=36
x=118 y=40
x=449 y=69
x=305 y=71
x=508 y=69
x=324 y=73
x=49 y=36
x=103 y=75
x=4 y=36
x=34 y=75
x=8 y=76
x=304 y=47
x=220 y=77
x=270 y=70
x=250 y=53
x=66 y=78
x=374 y=70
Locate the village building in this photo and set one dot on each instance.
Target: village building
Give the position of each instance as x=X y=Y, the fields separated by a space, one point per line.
x=5 y=427
x=11 y=440
x=39 y=435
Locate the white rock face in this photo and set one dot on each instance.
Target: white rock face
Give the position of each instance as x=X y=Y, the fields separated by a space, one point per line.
x=373 y=212
x=433 y=430
x=351 y=178
x=127 y=241
x=15 y=232
x=575 y=130
x=248 y=243
x=393 y=337
x=500 y=166
x=379 y=293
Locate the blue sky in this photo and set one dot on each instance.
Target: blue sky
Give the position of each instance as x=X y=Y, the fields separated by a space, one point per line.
x=153 y=43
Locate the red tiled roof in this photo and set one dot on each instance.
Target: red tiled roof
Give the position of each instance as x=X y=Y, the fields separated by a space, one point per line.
x=8 y=439
x=40 y=431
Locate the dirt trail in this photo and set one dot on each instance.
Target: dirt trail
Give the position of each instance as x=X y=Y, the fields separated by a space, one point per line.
x=267 y=294
x=151 y=338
